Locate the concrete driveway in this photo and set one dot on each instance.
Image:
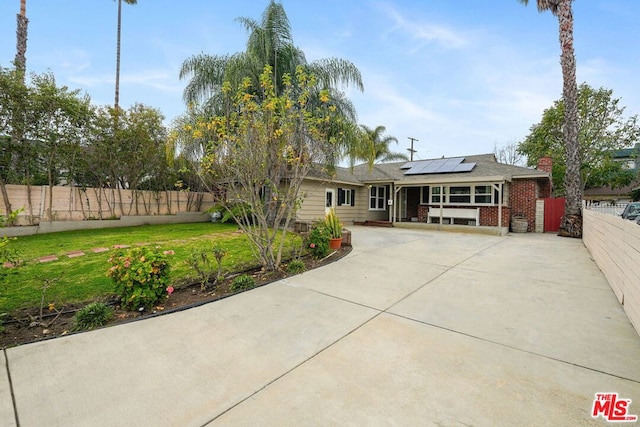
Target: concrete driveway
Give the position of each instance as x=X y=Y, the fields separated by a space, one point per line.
x=411 y=328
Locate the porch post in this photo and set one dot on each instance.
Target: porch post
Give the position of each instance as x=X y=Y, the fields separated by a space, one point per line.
x=500 y=208
x=392 y=208
x=397 y=202
x=441 y=202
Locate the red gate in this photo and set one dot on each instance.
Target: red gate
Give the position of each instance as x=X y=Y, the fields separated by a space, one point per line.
x=553 y=211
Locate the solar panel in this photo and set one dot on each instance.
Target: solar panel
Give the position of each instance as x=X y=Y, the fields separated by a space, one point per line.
x=450 y=164
x=408 y=165
x=464 y=167
x=434 y=166
x=425 y=167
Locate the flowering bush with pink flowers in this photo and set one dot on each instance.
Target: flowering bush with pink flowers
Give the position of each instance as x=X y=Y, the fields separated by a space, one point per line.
x=319 y=241
x=141 y=277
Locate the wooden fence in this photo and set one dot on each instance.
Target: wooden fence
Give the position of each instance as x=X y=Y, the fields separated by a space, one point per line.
x=58 y=203
x=614 y=244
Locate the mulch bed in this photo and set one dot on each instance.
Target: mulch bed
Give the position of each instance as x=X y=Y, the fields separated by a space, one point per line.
x=21 y=327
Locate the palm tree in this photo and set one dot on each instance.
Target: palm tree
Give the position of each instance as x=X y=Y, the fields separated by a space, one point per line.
x=117 y=100
x=571 y=224
x=270 y=43
x=374 y=146
x=20 y=63
x=21 y=33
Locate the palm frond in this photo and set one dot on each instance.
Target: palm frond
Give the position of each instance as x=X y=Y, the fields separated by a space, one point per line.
x=207 y=73
x=332 y=72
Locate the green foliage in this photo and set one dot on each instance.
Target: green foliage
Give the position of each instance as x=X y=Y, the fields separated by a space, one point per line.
x=332 y=224
x=84 y=277
x=201 y=261
x=276 y=116
x=234 y=212
x=602 y=130
x=319 y=241
x=7 y=255
x=296 y=266
x=264 y=148
x=92 y=316
x=242 y=283
x=373 y=146
x=141 y=276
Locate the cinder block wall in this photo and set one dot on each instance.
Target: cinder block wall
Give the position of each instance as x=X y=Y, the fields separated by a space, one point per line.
x=76 y=204
x=614 y=244
x=539 y=216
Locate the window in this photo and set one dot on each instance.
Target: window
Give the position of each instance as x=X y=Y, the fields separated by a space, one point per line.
x=460 y=195
x=377 y=198
x=424 y=195
x=482 y=194
x=346 y=197
x=436 y=192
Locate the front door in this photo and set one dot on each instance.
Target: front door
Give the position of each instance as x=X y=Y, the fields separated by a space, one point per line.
x=413 y=201
x=330 y=199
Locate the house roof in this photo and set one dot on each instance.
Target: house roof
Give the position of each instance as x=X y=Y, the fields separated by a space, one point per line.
x=627 y=153
x=486 y=168
x=605 y=192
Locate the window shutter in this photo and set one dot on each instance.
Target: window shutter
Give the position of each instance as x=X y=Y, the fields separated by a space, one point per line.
x=353 y=197
x=340 y=196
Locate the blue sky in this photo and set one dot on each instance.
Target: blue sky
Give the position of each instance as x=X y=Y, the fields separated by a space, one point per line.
x=460 y=76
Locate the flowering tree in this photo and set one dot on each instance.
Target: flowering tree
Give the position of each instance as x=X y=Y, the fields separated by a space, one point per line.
x=262 y=147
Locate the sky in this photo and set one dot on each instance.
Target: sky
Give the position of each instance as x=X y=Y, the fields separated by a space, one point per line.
x=462 y=77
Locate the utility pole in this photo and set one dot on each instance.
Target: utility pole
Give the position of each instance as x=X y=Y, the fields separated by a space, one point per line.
x=411 y=150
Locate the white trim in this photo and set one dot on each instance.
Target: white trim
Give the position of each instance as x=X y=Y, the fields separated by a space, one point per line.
x=378 y=197
x=333 y=199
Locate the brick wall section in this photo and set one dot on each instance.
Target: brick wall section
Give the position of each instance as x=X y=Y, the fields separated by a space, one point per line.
x=423 y=212
x=545 y=164
x=522 y=199
x=489 y=216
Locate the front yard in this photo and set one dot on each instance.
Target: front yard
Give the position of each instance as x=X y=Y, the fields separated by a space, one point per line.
x=70 y=282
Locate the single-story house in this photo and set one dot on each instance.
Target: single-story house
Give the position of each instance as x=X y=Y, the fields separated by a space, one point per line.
x=473 y=190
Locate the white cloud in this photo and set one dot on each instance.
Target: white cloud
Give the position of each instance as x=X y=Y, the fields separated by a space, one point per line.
x=164 y=81
x=424 y=33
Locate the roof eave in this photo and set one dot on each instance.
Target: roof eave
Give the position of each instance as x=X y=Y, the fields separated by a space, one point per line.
x=337 y=181
x=457 y=179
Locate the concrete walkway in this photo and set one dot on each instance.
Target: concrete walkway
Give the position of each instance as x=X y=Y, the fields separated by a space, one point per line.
x=412 y=328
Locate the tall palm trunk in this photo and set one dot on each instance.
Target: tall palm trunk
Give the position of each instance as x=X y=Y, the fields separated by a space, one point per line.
x=571 y=224
x=21 y=38
x=20 y=62
x=117 y=100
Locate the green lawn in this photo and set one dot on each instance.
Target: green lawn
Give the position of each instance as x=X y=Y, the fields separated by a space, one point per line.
x=84 y=278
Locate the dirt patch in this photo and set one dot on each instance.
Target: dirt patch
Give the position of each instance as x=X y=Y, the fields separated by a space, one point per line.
x=22 y=327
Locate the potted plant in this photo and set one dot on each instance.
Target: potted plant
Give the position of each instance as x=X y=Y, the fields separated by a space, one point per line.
x=333 y=224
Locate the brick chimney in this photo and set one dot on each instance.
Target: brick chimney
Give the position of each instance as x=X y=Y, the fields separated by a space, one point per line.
x=545 y=164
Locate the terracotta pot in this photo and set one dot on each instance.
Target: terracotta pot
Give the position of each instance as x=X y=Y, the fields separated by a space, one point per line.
x=335 y=243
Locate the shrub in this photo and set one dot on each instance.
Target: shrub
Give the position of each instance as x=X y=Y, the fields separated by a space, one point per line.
x=242 y=283
x=319 y=241
x=92 y=316
x=333 y=224
x=200 y=261
x=296 y=266
x=141 y=277
x=232 y=211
